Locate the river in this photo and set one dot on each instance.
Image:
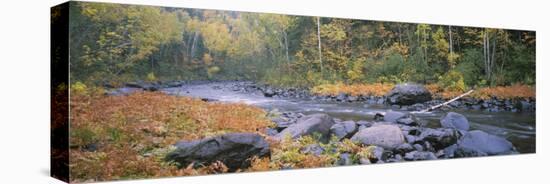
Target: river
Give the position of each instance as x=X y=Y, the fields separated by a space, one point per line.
x=518 y=128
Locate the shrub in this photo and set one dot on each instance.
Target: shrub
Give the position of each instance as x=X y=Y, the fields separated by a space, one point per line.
x=452 y=81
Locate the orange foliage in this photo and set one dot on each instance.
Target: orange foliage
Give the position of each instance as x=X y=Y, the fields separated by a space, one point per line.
x=130 y=130
x=516 y=91
x=376 y=89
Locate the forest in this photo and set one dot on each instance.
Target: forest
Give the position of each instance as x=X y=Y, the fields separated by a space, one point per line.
x=112 y=43
x=161 y=91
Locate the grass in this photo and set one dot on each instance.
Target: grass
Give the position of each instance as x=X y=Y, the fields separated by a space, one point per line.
x=133 y=133
x=516 y=91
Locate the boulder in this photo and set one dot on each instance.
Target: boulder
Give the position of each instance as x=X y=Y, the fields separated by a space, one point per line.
x=308 y=125
x=456 y=121
x=408 y=94
x=479 y=143
x=386 y=136
x=233 y=149
x=343 y=129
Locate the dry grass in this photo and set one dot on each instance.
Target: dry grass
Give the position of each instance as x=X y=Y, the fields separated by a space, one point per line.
x=516 y=91
x=133 y=133
x=376 y=89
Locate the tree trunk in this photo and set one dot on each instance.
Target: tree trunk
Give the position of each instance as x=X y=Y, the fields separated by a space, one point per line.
x=451 y=44
x=319 y=38
x=286 y=47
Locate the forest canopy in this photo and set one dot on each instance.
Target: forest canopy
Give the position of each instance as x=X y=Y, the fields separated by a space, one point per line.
x=114 y=43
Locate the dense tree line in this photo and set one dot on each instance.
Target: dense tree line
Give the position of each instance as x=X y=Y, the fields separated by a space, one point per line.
x=115 y=43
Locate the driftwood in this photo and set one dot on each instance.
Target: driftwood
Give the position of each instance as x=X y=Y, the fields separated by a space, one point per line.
x=443 y=104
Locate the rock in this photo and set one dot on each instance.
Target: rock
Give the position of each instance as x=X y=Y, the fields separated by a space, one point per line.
x=396 y=117
x=450 y=151
x=404 y=148
x=345 y=159
x=364 y=123
x=392 y=116
x=341 y=97
x=269 y=92
x=271 y=131
x=364 y=161
x=420 y=155
x=281 y=123
x=408 y=94
x=440 y=138
x=524 y=106
x=418 y=147
x=456 y=121
x=479 y=143
x=386 y=136
x=344 y=129
x=307 y=125
x=352 y=98
x=314 y=149
x=233 y=149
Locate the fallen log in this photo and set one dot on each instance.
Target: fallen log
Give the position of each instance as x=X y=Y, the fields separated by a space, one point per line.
x=443 y=104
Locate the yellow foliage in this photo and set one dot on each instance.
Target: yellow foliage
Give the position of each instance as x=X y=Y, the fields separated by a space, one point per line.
x=376 y=89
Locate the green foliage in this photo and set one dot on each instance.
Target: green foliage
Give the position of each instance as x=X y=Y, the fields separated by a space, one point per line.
x=471 y=66
x=118 y=43
x=452 y=81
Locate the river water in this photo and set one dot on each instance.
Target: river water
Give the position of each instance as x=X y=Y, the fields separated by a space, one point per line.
x=518 y=128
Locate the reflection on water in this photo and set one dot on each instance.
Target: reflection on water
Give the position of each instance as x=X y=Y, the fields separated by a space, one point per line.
x=518 y=128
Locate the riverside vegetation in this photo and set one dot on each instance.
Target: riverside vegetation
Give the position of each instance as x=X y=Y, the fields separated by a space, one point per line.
x=127 y=60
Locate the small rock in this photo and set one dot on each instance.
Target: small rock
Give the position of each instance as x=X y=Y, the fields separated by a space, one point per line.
x=420 y=155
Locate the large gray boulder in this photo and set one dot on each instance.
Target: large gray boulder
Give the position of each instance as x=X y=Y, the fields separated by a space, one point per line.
x=479 y=143
x=309 y=125
x=233 y=149
x=343 y=129
x=383 y=135
x=456 y=121
x=408 y=94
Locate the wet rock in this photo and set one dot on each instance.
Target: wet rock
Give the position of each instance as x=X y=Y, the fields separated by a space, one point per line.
x=352 y=98
x=386 y=136
x=408 y=94
x=308 y=125
x=456 y=121
x=524 y=105
x=269 y=92
x=420 y=155
x=479 y=143
x=341 y=97
x=233 y=149
x=344 y=129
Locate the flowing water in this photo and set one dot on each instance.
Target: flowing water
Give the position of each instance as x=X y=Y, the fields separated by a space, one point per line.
x=518 y=128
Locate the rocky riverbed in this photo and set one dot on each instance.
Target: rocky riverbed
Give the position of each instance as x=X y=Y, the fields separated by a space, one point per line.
x=394 y=132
